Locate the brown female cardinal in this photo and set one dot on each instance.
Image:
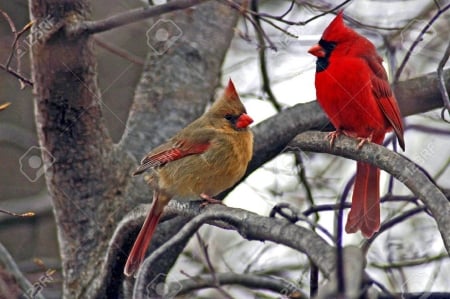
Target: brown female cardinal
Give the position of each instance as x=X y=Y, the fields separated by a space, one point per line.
x=353 y=89
x=207 y=157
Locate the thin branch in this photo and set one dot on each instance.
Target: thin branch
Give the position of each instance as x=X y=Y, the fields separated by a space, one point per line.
x=8 y=263
x=26 y=214
x=119 y=52
x=340 y=265
x=390 y=223
x=14 y=44
x=216 y=282
x=411 y=263
x=296 y=216
x=4 y=106
x=275 y=284
x=304 y=180
x=418 y=40
x=251 y=227
x=17 y=75
x=347 y=205
x=314 y=271
x=442 y=87
x=131 y=16
x=403 y=169
x=265 y=17
x=17 y=35
x=262 y=60
x=325 y=207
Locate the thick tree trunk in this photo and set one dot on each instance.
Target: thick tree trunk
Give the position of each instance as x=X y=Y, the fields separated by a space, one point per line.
x=82 y=178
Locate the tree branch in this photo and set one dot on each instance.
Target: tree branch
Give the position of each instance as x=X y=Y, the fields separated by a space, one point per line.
x=403 y=169
x=7 y=263
x=253 y=281
x=128 y=17
x=251 y=226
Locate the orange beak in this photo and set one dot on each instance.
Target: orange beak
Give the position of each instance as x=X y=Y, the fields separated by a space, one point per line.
x=317 y=50
x=243 y=121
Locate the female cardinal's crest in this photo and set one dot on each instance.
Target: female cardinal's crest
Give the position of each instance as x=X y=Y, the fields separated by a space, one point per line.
x=230 y=91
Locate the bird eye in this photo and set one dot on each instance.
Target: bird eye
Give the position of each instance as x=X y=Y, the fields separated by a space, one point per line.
x=228 y=117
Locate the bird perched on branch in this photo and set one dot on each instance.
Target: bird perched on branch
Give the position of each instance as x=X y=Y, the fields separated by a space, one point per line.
x=353 y=89
x=205 y=158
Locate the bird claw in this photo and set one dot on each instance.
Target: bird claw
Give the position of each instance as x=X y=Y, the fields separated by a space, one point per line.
x=363 y=140
x=332 y=136
x=209 y=200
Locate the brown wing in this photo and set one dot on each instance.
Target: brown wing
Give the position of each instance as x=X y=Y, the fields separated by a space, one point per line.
x=171 y=151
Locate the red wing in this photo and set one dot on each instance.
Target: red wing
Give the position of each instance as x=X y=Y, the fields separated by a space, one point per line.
x=384 y=96
x=165 y=154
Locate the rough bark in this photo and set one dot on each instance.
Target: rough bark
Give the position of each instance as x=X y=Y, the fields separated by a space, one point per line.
x=85 y=183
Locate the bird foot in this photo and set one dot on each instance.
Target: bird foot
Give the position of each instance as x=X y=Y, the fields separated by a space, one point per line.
x=332 y=136
x=209 y=200
x=363 y=140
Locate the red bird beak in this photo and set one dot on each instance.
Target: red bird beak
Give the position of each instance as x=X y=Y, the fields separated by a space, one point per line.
x=317 y=50
x=243 y=121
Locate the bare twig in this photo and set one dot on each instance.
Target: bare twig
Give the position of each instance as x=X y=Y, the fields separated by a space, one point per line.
x=266 y=17
x=119 y=52
x=442 y=87
x=390 y=223
x=340 y=266
x=4 y=106
x=26 y=214
x=8 y=263
x=275 y=284
x=17 y=35
x=212 y=271
x=296 y=216
x=347 y=205
x=314 y=271
x=131 y=16
x=411 y=263
x=262 y=60
x=418 y=40
x=14 y=44
x=17 y=75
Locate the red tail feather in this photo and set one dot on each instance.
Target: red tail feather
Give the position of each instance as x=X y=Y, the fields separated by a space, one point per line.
x=145 y=235
x=365 y=211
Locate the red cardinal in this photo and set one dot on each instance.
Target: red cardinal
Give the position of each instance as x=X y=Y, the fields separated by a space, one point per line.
x=207 y=157
x=353 y=89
